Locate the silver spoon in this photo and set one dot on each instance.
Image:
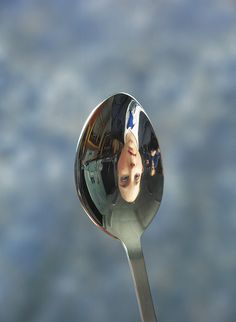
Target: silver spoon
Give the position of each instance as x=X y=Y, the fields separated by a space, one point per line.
x=119 y=180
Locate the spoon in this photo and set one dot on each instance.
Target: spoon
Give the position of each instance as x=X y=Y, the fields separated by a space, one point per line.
x=119 y=180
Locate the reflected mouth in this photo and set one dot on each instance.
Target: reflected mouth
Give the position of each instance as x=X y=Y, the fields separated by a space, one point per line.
x=130 y=151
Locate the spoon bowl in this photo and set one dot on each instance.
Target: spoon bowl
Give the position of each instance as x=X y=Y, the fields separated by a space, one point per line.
x=119 y=180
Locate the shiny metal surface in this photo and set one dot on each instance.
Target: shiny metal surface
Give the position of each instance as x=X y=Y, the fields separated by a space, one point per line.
x=119 y=180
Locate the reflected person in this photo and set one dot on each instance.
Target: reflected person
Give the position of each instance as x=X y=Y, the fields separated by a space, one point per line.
x=152 y=160
x=126 y=121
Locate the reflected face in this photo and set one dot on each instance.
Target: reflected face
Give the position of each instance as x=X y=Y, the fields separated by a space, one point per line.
x=130 y=169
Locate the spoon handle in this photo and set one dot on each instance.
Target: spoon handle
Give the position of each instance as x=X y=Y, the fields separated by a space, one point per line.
x=138 y=269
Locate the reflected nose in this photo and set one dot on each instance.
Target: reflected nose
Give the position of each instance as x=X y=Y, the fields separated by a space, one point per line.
x=132 y=165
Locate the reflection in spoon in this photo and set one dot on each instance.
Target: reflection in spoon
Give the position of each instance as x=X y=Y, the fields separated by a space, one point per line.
x=130 y=169
x=119 y=179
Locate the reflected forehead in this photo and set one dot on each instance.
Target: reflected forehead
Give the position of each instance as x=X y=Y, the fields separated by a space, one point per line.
x=130 y=192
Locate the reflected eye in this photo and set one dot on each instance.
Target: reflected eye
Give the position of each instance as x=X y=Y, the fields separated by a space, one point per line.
x=137 y=177
x=124 y=179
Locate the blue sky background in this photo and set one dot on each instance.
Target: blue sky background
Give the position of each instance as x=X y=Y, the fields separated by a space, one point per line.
x=58 y=60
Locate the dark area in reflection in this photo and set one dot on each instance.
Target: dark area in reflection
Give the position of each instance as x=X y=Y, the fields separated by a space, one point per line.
x=118 y=166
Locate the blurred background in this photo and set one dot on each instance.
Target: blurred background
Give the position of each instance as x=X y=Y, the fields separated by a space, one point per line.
x=58 y=60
